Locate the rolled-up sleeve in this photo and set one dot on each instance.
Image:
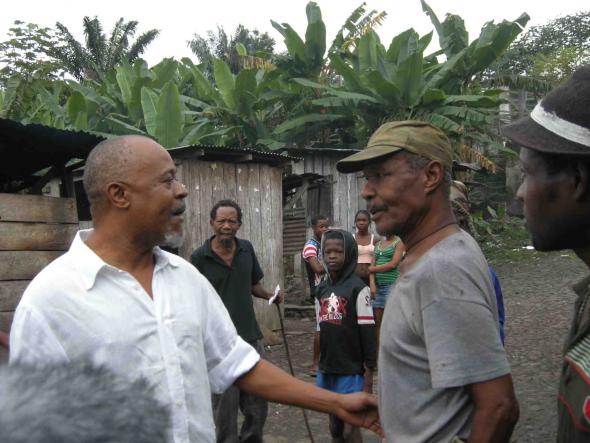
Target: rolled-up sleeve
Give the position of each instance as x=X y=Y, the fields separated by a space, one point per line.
x=228 y=356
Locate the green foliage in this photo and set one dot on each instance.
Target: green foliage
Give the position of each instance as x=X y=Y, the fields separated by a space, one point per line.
x=550 y=51
x=316 y=94
x=242 y=43
x=305 y=58
x=100 y=54
x=24 y=53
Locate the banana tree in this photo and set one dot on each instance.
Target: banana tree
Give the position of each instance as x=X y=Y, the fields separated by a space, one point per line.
x=401 y=81
x=241 y=110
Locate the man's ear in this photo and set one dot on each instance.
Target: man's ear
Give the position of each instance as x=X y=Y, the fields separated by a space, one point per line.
x=434 y=175
x=581 y=180
x=118 y=195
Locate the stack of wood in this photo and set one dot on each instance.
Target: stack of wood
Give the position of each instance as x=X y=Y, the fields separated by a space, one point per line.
x=34 y=230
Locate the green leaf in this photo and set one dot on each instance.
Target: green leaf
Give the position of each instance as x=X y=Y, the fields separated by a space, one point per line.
x=271 y=144
x=241 y=49
x=295 y=46
x=315 y=36
x=409 y=79
x=367 y=51
x=81 y=122
x=75 y=105
x=394 y=52
x=125 y=80
x=169 y=120
x=301 y=121
x=444 y=123
x=122 y=128
x=165 y=71
x=479 y=101
x=310 y=83
x=432 y=96
x=192 y=135
x=225 y=82
x=351 y=79
x=10 y=94
x=203 y=87
x=245 y=91
x=354 y=96
x=148 y=103
x=387 y=91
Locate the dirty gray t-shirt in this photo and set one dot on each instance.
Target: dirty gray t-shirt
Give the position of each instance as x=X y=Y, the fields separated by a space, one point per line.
x=439 y=334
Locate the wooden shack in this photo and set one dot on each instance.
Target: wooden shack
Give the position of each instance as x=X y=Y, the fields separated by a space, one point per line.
x=311 y=187
x=34 y=228
x=254 y=180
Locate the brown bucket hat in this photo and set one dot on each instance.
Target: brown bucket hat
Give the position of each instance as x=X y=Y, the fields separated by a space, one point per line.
x=560 y=123
x=414 y=136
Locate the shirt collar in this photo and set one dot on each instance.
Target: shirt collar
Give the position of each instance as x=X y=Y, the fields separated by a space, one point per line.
x=209 y=250
x=89 y=264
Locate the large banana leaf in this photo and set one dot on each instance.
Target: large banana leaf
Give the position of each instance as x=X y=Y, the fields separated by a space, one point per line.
x=301 y=121
x=493 y=41
x=315 y=37
x=169 y=120
x=149 y=100
x=164 y=72
x=295 y=45
x=76 y=108
x=225 y=82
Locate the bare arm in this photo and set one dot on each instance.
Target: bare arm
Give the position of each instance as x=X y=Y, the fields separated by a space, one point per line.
x=4 y=339
x=273 y=384
x=393 y=263
x=496 y=410
x=316 y=265
x=259 y=291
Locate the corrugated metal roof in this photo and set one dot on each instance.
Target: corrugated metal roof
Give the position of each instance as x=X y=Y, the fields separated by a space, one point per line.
x=231 y=153
x=30 y=148
x=315 y=150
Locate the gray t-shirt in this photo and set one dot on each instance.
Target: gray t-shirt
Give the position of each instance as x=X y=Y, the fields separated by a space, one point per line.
x=439 y=334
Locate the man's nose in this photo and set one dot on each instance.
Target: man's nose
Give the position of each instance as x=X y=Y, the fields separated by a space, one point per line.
x=368 y=191
x=181 y=190
x=520 y=192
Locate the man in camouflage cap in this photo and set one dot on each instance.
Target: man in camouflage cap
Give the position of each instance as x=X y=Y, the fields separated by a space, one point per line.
x=555 y=158
x=443 y=373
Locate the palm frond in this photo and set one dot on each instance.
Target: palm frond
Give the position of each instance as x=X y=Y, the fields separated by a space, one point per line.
x=95 y=40
x=141 y=44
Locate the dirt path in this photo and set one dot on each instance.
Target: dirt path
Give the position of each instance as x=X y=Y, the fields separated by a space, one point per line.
x=538 y=308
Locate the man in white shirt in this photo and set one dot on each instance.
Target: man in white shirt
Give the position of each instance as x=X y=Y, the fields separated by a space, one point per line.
x=118 y=298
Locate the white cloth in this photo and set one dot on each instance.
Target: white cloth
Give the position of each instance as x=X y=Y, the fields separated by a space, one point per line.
x=182 y=341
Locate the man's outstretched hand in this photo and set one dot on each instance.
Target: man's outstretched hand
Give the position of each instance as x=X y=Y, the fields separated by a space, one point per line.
x=359 y=409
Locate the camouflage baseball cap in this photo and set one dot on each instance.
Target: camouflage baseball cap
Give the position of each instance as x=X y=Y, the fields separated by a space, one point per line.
x=417 y=137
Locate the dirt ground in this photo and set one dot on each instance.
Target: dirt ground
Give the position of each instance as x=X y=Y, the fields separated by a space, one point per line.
x=538 y=305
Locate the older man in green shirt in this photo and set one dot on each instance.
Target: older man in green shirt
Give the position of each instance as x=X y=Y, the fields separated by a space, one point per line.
x=231 y=266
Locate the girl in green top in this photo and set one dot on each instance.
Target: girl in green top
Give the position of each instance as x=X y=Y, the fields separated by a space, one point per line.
x=384 y=272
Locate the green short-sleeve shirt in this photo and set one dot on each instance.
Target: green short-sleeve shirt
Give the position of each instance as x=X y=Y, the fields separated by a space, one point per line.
x=233 y=283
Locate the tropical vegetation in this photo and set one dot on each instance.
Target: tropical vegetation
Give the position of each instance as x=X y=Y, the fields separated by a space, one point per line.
x=315 y=94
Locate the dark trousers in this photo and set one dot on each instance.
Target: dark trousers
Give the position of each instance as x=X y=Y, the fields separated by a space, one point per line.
x=254 y=409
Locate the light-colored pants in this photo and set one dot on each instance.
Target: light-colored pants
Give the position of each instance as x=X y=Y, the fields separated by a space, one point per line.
x=254 y=409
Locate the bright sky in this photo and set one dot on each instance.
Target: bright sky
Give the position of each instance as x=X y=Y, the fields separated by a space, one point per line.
x=178 y=20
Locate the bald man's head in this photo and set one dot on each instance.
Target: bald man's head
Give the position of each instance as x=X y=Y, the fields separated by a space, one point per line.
x=110 y=161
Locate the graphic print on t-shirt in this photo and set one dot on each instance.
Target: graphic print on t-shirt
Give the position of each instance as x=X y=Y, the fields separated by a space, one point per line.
x=333 y=309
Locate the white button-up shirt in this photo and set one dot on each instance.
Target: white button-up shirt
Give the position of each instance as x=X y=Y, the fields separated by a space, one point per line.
x=182 y=341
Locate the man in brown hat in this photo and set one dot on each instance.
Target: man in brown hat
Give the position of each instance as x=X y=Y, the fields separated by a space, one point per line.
x=555 y=157
x=443 y=373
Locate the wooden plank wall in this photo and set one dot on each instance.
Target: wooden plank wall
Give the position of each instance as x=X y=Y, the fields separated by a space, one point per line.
x=34 y=230
x=346 y=188
x=257 y=188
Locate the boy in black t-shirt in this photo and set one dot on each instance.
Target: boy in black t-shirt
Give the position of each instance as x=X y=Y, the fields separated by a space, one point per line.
x=347 y=327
